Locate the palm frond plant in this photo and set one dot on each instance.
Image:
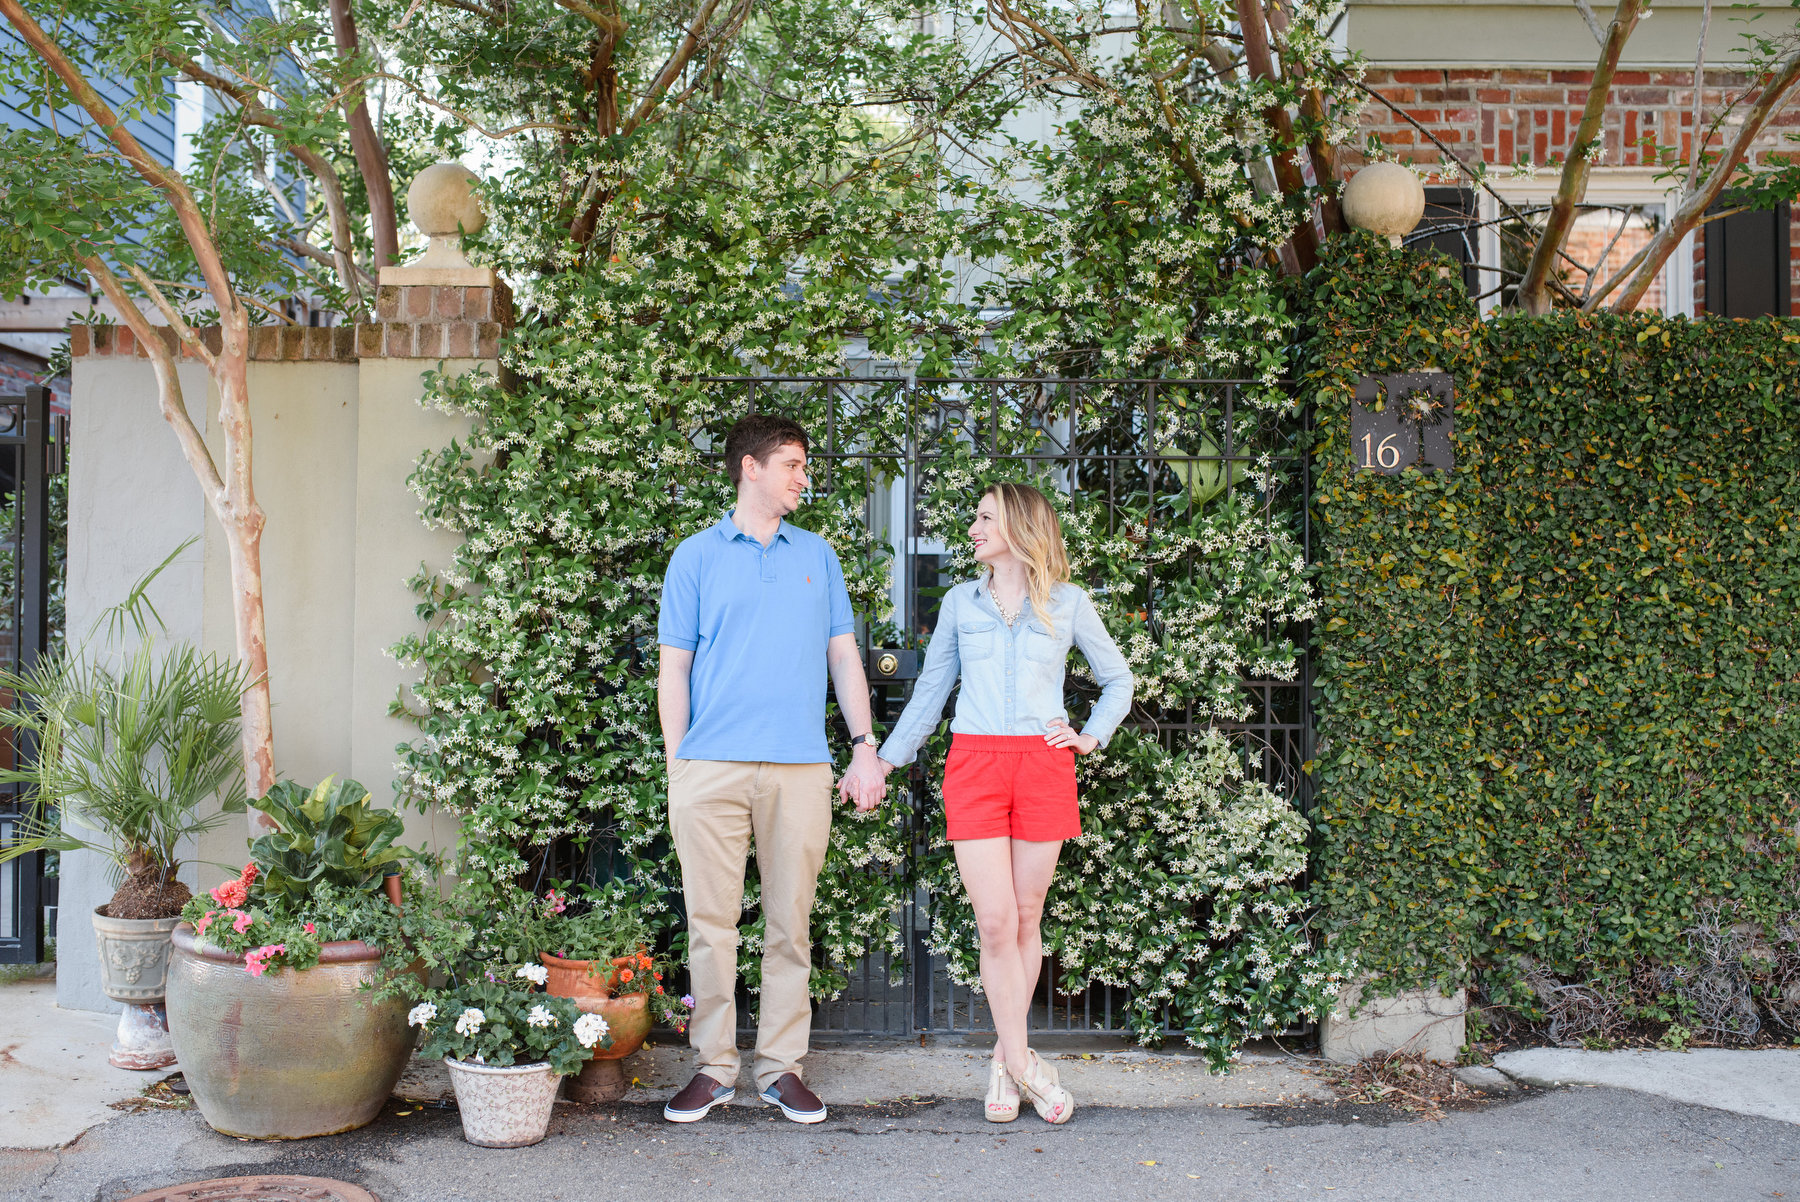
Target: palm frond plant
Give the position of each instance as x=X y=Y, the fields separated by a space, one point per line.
x=127 y=746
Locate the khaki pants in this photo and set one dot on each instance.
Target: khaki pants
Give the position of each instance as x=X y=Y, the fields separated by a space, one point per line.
x=714 y=808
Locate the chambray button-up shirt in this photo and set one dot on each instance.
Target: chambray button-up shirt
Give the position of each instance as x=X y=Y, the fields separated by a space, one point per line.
x=1012 y=677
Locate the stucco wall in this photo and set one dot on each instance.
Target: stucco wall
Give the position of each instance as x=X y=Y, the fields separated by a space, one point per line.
x=335 y=440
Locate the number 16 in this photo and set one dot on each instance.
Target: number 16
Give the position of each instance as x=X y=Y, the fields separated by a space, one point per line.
x=1385 y=454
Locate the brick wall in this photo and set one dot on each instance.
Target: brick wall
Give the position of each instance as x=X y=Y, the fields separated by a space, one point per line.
x=1500 y=115
x=417 y=321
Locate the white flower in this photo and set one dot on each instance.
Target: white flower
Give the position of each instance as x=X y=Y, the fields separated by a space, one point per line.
x=470 y=1022
x=421 y=1014
x=540 y=1017
x=537 y=974
x=590 y=1029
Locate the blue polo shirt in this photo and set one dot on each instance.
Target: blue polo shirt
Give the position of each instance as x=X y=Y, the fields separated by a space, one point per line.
x=757 y=620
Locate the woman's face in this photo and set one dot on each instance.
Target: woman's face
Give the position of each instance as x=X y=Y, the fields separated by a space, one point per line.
x=990 y=545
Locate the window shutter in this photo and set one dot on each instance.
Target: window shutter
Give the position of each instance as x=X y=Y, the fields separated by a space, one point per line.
x=1747 y=269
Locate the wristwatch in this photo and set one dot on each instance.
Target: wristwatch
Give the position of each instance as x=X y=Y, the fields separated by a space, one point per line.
x=869 y=739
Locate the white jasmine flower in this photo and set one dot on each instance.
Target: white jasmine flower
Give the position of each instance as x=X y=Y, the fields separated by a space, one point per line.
x=421 y=1014
x=537 y=974
x=590 y=1029
x=470 y=1022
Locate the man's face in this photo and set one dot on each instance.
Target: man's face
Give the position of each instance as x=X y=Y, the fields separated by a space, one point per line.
x=779 y=481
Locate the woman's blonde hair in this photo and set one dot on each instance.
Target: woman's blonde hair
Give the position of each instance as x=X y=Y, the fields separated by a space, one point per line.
x=1030 y=526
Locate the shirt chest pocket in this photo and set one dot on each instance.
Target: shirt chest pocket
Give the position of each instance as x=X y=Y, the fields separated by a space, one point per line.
x=1039 y=645
x=975 y=639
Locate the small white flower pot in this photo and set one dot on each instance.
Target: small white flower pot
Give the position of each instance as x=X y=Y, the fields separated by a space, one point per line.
x=503 y=1107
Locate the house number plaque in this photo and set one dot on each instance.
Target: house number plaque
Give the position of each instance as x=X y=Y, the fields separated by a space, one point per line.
x=1403 y=421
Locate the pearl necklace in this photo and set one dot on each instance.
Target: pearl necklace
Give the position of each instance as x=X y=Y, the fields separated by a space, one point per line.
x=1011 y=619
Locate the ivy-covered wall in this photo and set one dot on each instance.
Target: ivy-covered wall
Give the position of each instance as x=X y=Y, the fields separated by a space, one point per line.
x=1559 y=687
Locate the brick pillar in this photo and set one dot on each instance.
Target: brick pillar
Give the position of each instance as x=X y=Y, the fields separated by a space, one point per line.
x=436 y=313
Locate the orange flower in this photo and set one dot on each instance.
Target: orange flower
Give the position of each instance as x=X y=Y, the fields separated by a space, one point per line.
x=657 y=975
x=625 y=974
x=659 y=989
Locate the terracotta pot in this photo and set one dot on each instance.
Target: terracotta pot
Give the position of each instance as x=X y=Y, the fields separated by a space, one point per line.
x=134 y=956
x=290 y=1054
x=503 y=1107
x=627 y=1021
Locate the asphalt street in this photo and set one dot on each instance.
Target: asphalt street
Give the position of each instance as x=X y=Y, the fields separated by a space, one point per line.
x=1592 y=1144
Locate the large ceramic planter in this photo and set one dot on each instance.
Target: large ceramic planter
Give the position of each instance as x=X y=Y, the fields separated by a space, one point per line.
x=503 y=1107
x=290 y=1054
x=627 y=1021
x=134 y=962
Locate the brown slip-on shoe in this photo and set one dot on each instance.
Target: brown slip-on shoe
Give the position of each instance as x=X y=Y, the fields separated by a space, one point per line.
x=700 y=1096
x=799 y=1103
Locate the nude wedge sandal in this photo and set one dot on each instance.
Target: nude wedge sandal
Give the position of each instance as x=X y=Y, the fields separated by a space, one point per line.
x=1000 y=1108
x=1039 y=1082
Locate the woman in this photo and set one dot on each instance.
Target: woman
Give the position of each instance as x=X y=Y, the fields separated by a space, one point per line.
x=1009 y=780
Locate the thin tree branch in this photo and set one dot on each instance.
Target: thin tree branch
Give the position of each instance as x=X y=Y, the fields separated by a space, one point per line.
x=606 y=22
x=331 y=190
x=174 y=406
x=1694 y=138
x=1692 y=210
x=164 y=179
x=1593 y=22
x=172 y=315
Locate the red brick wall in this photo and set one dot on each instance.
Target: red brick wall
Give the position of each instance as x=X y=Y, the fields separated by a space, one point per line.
x=1500 y=115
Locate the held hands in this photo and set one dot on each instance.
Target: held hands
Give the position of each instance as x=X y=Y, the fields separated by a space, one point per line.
x=1061 y=734
x=866 y=782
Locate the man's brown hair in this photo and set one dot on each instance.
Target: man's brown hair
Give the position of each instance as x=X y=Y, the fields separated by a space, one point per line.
x=759 y=436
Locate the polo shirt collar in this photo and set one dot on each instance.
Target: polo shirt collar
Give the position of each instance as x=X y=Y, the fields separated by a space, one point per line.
x=728 y=530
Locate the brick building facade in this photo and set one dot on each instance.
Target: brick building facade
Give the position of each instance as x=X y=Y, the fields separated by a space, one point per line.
x=1502 y=114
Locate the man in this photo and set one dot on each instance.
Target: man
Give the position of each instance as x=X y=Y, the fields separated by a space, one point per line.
x=754 y=614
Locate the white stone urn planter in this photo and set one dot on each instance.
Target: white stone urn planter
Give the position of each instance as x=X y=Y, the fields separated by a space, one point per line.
x=134 y=964
x=503 y=1107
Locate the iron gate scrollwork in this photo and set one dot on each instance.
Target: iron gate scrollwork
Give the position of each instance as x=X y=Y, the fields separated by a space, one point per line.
x=1162 y=444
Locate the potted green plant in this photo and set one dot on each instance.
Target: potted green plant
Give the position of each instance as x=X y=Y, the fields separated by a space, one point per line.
x=289 y=984
x=128 y=752
x=507 y=1046
x=595 y=949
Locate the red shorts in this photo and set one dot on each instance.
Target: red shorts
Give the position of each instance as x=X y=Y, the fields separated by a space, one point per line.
x=1010 y=786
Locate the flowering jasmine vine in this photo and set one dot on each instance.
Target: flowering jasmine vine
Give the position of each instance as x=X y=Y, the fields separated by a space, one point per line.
x=889 y=223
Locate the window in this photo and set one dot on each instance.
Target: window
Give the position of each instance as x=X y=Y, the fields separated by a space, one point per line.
x=1627 y=206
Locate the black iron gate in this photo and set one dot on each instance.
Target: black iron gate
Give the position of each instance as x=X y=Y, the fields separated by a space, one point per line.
x=1158 y=443
x=30 y=454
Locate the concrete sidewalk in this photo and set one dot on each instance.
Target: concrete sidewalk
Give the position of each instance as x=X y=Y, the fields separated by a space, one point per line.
x=1764 y=1082
x=55 y=1083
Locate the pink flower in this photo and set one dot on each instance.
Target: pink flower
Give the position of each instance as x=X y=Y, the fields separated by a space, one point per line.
x=309 y=928
x=248 y=876
x=231 y=893
x=242 y=922
x=555 y=902
x=205 y=921
x=256 y=962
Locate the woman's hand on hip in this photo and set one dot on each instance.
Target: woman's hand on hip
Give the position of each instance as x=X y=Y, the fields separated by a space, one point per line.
x=1061 y=734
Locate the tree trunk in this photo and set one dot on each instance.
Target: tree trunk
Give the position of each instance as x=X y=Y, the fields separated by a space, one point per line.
x=1571 y=190
x=242 y=520
x=366 y=144
x=1260 y=61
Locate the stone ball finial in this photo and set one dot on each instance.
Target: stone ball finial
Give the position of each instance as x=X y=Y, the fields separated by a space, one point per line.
x=444 y=206
x=1386 y=199
x=441 y=198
